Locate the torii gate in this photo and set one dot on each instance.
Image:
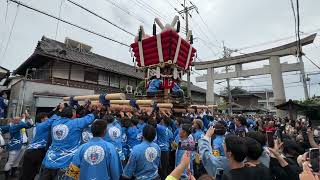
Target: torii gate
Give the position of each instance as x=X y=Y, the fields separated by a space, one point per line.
x=274 y=68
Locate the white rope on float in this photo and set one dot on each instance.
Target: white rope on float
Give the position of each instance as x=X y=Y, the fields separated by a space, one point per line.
x=177 y=51
x=141 y=53
x=188 y=59
x=159 y=46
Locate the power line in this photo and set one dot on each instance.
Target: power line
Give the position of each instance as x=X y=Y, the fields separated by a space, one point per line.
x=147 y=9
x=10 y=34
x=130 y=13
x=67 y=22
x=95 y=14
x=295 y=19
x=60 y=7
x=153 y=9
x=312 y=61
x=5 y=22
x=277 y=40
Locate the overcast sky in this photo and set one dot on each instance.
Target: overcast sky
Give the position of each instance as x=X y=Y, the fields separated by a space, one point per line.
x=239 y=23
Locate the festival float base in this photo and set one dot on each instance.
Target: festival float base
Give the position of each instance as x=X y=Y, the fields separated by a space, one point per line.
x=164 y=58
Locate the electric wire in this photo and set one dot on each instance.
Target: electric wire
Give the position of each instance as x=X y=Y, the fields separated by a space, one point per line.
x=67 y=22
x=10 y=34
x=99 y=16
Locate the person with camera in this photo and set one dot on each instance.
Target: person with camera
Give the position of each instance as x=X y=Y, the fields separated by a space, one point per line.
x=210 y=162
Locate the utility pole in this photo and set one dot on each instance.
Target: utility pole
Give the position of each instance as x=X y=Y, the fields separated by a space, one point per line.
x=303 y=76
x=299 y=52
x=185 y=13
x=226 y=54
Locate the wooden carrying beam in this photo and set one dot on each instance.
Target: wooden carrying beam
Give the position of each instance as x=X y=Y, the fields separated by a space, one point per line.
x=127 y=102
x=161 y=105
x=114 y=96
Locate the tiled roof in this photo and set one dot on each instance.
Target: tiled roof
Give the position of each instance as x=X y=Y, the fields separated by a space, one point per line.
x=60 y=51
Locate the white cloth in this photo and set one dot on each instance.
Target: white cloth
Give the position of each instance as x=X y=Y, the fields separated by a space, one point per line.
x=14 y=158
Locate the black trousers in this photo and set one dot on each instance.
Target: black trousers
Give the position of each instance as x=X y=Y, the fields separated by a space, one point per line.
x=164 y=169
x=52 y=174
x=32 y=160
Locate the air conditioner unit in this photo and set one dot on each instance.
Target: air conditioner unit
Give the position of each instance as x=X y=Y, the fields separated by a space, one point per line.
x=129 y=89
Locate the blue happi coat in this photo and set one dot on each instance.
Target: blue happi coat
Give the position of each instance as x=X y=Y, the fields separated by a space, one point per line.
x=217 y=145
x=114 y=136
x=164 y=137
x=3 y=106
x=97 y=159
x=197 y=135
x=143 y=162
x=134 y=136
x=154 y=86
x=66 y=138
x=15 y=142
x=41 y=133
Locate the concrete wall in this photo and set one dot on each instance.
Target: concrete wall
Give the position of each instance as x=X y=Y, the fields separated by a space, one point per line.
x=27 y=99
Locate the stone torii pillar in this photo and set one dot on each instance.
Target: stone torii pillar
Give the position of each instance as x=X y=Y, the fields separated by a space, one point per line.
x=210 y=88
x=277 y=84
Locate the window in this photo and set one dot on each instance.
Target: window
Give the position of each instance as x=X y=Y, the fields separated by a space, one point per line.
x=77 y=73
x=114 y=81
x=123 y=82
x=91 y=76
x=133 y=82
x=103 y=78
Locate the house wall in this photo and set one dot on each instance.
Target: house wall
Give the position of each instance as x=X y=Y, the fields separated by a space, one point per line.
x=77 y=73
x=27 y=100
x=198 y=98
x=60 y=70
x=246 y=101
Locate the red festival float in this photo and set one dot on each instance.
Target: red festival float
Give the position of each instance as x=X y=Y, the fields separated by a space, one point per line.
x=165 y=56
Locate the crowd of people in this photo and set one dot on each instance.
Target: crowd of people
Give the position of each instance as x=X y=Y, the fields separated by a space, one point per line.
x=90 y=142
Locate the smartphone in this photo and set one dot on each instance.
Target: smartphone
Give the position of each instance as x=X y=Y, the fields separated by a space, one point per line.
x=219 y=174
x=314 y=156
x=187 y=145
x=270 y=139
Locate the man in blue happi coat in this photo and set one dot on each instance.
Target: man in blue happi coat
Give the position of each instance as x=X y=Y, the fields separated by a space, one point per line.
x=66 y=138
x=96 y=159
x=145 y=158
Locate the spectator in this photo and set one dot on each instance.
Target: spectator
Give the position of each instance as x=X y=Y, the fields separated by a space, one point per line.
x=279 y=166
x=261 y=138
x=236 y=151
x=254 y=152
x=241 y=128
